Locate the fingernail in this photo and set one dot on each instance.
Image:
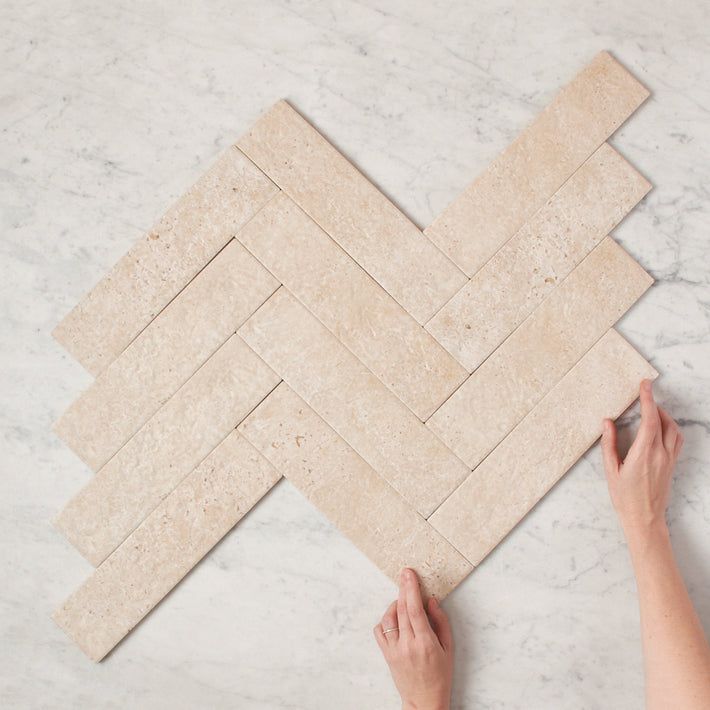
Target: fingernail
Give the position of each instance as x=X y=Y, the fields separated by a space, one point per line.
x=647 y=385
x=435 y=602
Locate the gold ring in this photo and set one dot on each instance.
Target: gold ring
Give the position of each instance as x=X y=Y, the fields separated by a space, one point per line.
x=389 y=631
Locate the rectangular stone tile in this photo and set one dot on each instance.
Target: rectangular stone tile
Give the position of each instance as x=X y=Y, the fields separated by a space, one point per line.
x=350 y=493
x=352 y=211
x=527 y=267
x=527 y=173
x=353 y=401
x=354 y=307
x=149 y=371
x=203 y=508
x=165 y=450
x=540 y=450
x=157 y=267
x=532 y=360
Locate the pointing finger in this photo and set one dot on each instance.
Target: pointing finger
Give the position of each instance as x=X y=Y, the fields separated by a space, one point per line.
x=415 y=607
x=650 y=419
x=405 y=627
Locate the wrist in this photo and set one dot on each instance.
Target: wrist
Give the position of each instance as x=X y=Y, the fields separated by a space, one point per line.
x=644 y=538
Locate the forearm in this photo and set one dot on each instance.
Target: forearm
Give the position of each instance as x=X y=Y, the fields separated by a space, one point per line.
x=676 y=653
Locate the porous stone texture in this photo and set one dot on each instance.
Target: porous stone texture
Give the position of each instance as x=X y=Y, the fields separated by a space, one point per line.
x=353 y=306
x=534 y=261
x=352 y=211
x=165 y=450
x=340 y=389
x=165 y=355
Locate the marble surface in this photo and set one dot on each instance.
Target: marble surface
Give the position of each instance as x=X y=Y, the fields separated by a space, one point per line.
x=109 y=111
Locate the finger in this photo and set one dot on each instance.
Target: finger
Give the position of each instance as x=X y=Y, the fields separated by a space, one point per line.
x=650 y=420
x=610 y=452
x=389 y=621
x=669 y=430
x=405 y=627
x=415 y=607
x=440 y=624
x=389 y=618
x=380 y=637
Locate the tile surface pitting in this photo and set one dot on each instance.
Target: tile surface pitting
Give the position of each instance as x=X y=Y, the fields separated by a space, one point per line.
x=286 y=320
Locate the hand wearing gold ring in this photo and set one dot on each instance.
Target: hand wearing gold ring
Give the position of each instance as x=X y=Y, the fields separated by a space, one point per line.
x=416 y=641
x=418 y=647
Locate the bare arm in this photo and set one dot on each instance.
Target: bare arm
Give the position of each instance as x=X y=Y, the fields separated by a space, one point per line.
x=676 y=652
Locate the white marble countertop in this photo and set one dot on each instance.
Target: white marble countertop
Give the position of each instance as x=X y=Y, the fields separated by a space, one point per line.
x=109 y=110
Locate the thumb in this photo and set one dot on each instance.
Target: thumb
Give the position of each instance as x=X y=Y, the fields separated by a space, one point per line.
x=440 y=624
x=610 y=453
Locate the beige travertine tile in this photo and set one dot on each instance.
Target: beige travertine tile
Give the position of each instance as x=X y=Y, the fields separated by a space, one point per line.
x=352 y=211
x=355 y=308
x=522 y=178
x=154 y=271
x=550 y=244
x=166 y=449
x=531 y=361
x=537 y=453
x=144 y=376
x=353 y=401
x=166 y=546
x=350 y=493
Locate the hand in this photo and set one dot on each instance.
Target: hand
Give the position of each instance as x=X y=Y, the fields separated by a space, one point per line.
x=640 y=485
x=420 y=654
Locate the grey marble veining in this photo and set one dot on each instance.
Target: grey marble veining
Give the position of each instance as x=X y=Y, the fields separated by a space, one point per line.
x=108 y=111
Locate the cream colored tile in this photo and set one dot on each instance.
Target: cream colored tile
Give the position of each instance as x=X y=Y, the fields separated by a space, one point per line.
x=352 y=211
x=529 y=363
x=165 y=450
x=149 y=371
x=525 y=175
x=353 y=401
x=350 y=493
x=550 y=244
x=357 y=310
x=538 y=452
x=166 y=546
x=155 y=270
